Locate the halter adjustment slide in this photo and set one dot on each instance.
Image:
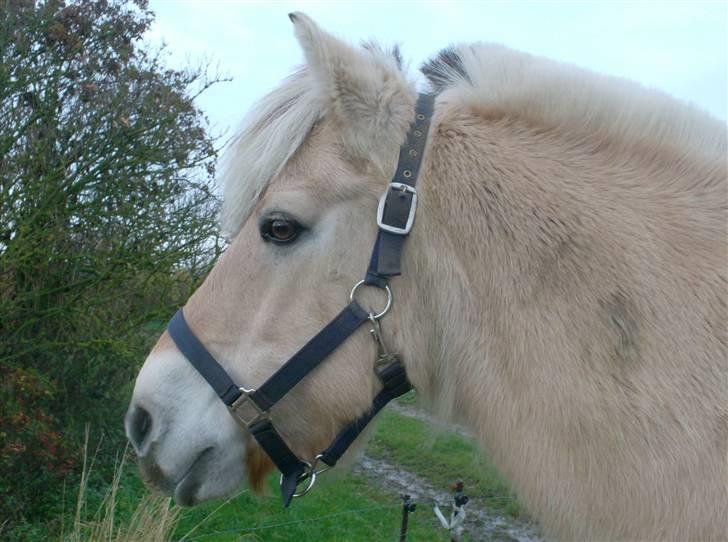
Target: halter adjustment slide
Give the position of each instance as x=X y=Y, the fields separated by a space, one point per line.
x=258 y=413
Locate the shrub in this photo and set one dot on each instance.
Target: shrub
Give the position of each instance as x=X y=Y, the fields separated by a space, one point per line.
x=107 y=221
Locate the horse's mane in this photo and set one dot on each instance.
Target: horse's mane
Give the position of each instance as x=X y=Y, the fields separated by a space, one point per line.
x=550 y=94
x=499 y=80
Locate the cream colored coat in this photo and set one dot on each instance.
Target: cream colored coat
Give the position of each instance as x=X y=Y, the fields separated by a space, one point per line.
x=563 y=292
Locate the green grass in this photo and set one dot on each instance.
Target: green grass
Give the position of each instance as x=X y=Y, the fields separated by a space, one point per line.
x=343 y=506
x=352 y=508
x=409 y=398
x=156 y=326
x=346 y=509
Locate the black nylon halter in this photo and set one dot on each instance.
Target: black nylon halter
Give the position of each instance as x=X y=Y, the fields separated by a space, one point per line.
x=250 y=407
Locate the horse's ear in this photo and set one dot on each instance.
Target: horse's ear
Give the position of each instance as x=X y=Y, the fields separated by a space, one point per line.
x=363 y=88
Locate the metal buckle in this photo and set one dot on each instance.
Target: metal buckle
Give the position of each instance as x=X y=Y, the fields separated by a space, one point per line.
x=258 y=413
x=398 y=187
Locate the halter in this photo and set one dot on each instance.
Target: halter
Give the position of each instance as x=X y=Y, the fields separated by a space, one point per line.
x=251 y=407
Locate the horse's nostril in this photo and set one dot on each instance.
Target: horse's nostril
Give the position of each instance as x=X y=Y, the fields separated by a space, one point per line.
x=139 y=425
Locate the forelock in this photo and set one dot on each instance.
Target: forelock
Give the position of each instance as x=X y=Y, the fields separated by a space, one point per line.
x=270 y=135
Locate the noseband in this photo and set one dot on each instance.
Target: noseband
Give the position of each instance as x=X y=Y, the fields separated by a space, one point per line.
x=251 y=407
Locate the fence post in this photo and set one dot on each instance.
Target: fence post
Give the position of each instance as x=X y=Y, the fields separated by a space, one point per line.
x=458 y=511
x=407 y=507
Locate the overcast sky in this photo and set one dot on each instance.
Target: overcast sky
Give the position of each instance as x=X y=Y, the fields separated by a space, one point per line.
x=677 y=47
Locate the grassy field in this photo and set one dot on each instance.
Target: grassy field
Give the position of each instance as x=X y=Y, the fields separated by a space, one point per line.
x=351 y=506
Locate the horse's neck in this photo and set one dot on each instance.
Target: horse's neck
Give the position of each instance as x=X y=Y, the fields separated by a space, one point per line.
x=557 y=293
x=474 y=258
x=511 y=224
x=533 y=297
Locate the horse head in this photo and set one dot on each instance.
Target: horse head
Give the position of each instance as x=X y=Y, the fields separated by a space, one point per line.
x=301 y=185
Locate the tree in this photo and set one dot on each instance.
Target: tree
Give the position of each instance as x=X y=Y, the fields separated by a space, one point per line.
x=107 y=219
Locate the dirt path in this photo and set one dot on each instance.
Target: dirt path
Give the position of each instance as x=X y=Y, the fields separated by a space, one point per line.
x=480 y=523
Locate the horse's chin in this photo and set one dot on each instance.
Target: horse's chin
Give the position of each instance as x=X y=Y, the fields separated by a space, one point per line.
x=210 y=476
x=188 y=490
x=202 y=483
x=207 y=480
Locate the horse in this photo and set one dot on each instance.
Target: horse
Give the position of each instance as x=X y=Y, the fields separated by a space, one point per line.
x=563 y=289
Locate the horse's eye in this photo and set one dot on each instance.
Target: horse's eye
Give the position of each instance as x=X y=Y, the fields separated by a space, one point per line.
x=280 y=230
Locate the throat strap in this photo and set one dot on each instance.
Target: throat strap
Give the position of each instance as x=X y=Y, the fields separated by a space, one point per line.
x=395 y=383
x=288 y=463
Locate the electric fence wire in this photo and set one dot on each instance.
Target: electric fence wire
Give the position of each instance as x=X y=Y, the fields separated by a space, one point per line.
x=293 y=522
x=422 y=500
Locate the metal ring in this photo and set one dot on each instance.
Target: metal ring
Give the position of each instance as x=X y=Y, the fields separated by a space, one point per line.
x=310 y=474
x=315 y=462
x=420 y=116
x=386 y=288
x=407 y=173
